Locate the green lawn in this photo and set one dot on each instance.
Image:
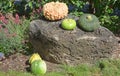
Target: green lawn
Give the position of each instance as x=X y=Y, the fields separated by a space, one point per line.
x=101 y=68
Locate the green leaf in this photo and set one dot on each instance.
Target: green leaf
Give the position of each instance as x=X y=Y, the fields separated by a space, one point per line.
x=30 y=4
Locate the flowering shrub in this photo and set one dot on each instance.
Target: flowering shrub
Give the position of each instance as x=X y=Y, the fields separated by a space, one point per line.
x=12 y=34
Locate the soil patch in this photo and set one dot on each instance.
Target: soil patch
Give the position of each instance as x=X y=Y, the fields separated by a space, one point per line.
x=19 y=62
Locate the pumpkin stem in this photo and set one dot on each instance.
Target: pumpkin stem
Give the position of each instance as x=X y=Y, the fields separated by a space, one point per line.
x=89 y=17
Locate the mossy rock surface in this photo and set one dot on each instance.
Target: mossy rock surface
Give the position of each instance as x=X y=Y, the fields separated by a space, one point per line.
x=88 y=22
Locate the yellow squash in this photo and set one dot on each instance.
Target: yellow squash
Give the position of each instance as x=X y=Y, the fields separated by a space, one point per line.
x=34 y=57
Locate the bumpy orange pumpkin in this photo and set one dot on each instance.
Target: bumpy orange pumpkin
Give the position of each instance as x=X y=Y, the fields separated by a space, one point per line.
x=55 y=10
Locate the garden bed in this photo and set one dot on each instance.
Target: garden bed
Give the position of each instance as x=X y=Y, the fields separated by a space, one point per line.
x=19 y=62
x=13 y=40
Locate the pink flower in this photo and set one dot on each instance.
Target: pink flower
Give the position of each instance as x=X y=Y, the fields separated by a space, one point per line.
x=39 y=10
x=5 y=30
x=3 y=19
x=14 y=34
x=17 y=19
x=11 y=35
x=0 y=26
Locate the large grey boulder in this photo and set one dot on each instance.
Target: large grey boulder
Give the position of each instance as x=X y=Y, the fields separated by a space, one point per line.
x=72 y=47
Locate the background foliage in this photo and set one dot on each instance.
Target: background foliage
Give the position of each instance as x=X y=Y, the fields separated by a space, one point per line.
x=108 y=12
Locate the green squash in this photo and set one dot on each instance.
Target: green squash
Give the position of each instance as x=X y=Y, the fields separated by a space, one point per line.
x=38 y=67
x=88 y=22
x=68 y=24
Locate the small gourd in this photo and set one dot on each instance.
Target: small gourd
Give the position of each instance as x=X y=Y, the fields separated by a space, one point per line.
x=34 y=57
x=88 y=22
x=38 y=67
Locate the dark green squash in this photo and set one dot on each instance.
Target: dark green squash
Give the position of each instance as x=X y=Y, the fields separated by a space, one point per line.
x=88 y=22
